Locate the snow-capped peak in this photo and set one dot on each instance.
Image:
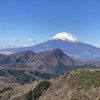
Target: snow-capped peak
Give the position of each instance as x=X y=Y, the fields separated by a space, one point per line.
x=64 y=36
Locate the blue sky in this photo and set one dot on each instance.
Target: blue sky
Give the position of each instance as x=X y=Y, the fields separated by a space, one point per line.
x=29 y=22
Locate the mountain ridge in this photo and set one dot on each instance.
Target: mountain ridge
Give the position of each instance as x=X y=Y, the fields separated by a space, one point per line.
x=45 y=61
x=76 y=50
x=82 y=84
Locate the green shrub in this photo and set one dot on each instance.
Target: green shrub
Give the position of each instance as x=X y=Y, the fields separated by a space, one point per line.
x=5 y=89
x=61 y=68
x=2 y=73
x=42 y=75
x=0 y=97
x=99 y=99
x=85 y=80
x=21 y=76
x=37 y=92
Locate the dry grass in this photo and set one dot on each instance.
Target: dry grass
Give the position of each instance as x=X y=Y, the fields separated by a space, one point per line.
x=66 y=86
x=17 y=92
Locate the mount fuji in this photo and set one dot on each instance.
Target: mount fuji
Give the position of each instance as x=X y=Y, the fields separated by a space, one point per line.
x=70 y=45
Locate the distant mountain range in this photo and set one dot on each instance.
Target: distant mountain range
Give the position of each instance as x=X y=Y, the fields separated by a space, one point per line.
x=27 y=66
x=69 y=44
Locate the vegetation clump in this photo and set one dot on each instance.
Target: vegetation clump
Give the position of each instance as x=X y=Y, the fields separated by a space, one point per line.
x=86 y=79
x=42 y=75
x=5 y=89
x=37 y=92
x=2 y=73
x=61 y=68
x=21 y=76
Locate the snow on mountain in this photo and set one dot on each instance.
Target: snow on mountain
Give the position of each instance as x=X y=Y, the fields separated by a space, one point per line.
x=64 y=36
x=68 y=43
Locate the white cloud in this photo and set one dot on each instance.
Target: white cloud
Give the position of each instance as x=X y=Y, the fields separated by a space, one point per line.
x=9 y=46
x=14 y=46
x=27 y=45
x=31 y=40
x=65 y=36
